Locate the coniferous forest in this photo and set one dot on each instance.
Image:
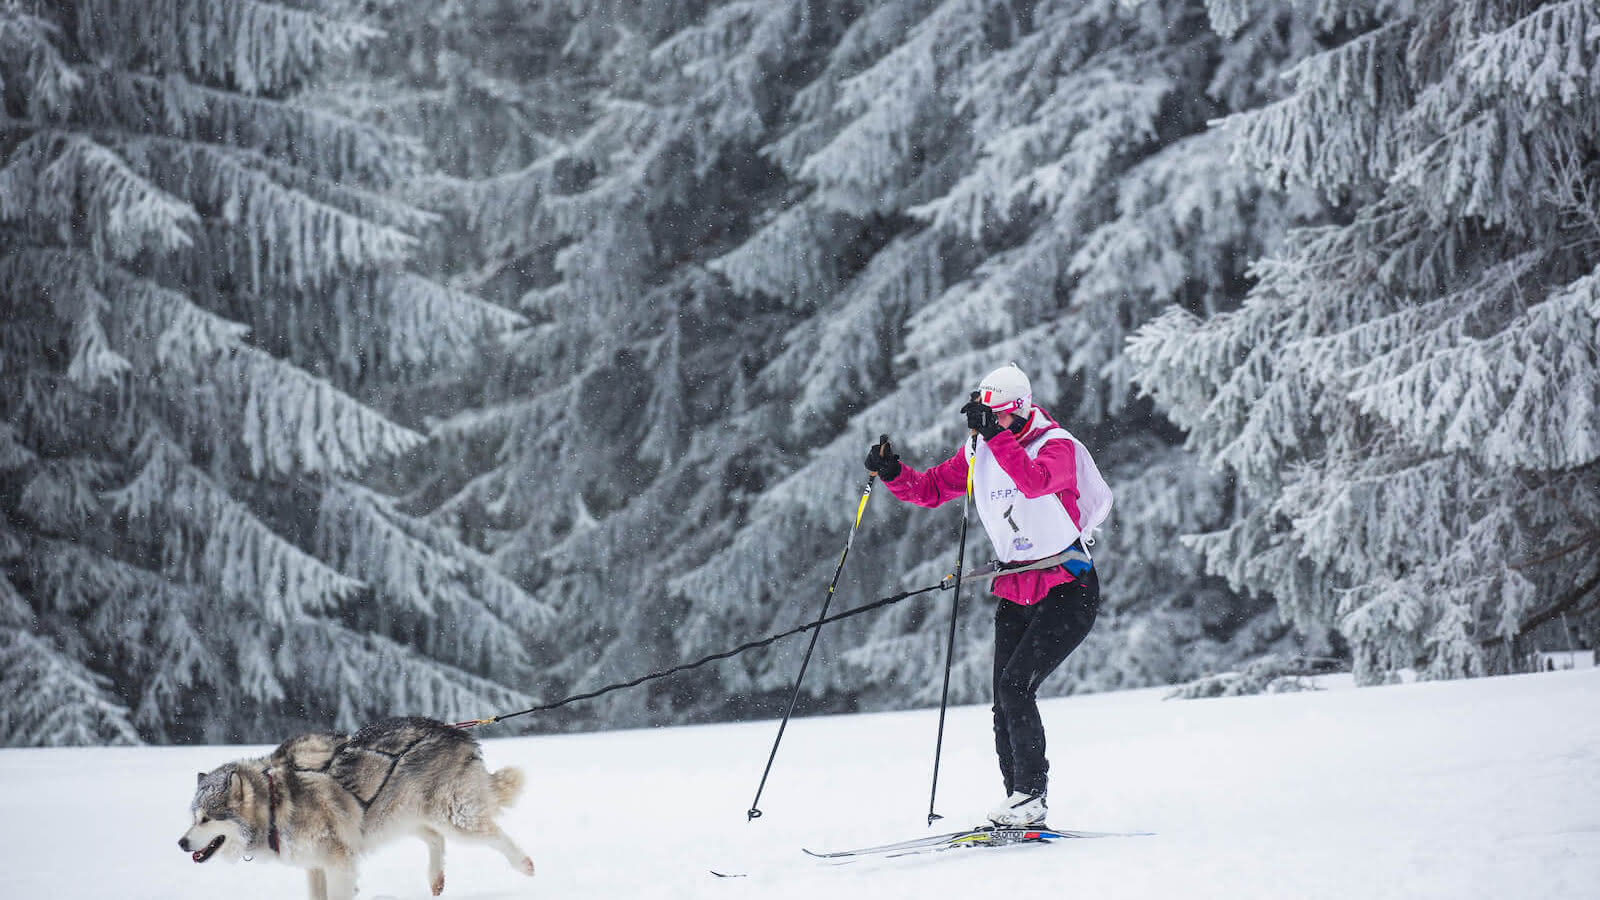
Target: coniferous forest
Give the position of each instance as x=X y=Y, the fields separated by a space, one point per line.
x=377 y=357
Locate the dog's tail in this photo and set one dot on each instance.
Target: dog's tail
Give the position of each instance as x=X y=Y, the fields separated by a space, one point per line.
x=507 y=784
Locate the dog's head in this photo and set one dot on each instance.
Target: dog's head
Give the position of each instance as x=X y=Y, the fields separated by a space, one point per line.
x=222 y=816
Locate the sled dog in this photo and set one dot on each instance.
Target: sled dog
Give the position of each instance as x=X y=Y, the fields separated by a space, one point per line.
x=321 y=800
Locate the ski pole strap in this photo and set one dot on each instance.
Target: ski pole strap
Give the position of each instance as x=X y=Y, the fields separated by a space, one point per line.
x=1073 y=558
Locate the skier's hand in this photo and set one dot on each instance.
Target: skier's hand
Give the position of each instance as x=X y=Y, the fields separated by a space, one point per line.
x=981 y=418
x=882 y=459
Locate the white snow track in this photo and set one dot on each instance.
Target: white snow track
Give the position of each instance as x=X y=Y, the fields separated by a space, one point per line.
x=1469 y=789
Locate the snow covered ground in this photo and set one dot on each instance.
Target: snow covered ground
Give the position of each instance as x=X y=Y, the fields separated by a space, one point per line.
x=1487 y=788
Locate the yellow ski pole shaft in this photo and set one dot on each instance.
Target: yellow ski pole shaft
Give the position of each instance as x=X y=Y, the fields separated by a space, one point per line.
x=794 y=696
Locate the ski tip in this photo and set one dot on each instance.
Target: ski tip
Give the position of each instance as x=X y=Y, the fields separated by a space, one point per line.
x=727 y=874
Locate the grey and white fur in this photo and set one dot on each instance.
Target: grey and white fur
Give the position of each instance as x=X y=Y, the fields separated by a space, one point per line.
x=321 y=800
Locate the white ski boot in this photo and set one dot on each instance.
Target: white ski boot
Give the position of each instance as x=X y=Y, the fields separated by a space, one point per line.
x=1019 y=809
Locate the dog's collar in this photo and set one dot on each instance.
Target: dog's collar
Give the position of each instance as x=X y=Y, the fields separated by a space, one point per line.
x=272 y=811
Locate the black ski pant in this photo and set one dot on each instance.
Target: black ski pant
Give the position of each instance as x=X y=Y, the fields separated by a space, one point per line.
x=1029 y=643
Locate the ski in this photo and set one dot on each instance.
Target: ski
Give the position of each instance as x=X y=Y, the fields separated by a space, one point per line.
x=982 y=836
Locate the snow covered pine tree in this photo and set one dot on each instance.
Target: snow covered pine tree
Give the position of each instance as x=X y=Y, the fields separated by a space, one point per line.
x=204 y=292
x=1410 y=397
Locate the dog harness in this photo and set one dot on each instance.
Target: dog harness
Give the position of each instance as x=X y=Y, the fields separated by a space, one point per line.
x=393 y=757
x=272 y=811
x=343 y=777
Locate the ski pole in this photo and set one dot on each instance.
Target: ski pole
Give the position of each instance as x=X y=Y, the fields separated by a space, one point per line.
x=861 y=508
x=950 y=646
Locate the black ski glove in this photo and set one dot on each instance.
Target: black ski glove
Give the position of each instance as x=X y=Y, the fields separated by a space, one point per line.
x=882 y=459
x=981 y=418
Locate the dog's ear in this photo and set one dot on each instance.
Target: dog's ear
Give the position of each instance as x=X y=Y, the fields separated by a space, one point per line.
x=200 y=778
x=235 y=786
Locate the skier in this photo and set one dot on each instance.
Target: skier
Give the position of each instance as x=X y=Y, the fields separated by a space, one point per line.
x=1037 y=492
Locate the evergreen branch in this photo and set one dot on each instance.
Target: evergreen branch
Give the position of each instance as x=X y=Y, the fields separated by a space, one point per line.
x=312 y=140
x=270 y=47
x=383 y=202
x=296 y=220
x=1517 y=59
x=50 y=82
x=54 y=699
x=58 y=175
x=295 y=423
x=240 y=557
x=1572 y=547
x=420 y=566
x=15 y=612
x=1553 y=610
x=245 y=187
x=346 y=663
x=1333 y=132
x=151 y=325
x=437 y=325
x=14 y=454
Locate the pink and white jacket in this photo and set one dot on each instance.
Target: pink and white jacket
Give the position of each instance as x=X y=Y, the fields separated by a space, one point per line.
x=1038 y=469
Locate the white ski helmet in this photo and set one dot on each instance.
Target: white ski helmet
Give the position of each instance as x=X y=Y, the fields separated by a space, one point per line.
x=1006 y=390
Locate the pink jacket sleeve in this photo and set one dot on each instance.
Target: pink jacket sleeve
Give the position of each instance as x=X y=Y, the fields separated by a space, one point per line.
x=945 y=481
x=1054 y=471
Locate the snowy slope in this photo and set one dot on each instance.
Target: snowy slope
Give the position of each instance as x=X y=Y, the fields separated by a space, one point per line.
x=1487 y=788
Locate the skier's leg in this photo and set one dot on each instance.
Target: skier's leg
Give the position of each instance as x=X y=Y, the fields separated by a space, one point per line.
x=1010 y=623
x=1059 y=624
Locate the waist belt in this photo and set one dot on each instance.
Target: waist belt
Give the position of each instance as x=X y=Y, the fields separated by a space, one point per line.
x=1073 y=559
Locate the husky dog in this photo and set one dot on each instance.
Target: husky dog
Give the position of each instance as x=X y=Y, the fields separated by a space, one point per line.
x=320 y=800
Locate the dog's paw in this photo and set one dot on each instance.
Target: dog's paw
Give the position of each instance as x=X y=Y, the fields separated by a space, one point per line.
x=438 y=884
x=527 y=866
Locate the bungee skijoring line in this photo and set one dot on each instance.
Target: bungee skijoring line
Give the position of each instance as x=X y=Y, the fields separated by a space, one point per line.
x=991 y=571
